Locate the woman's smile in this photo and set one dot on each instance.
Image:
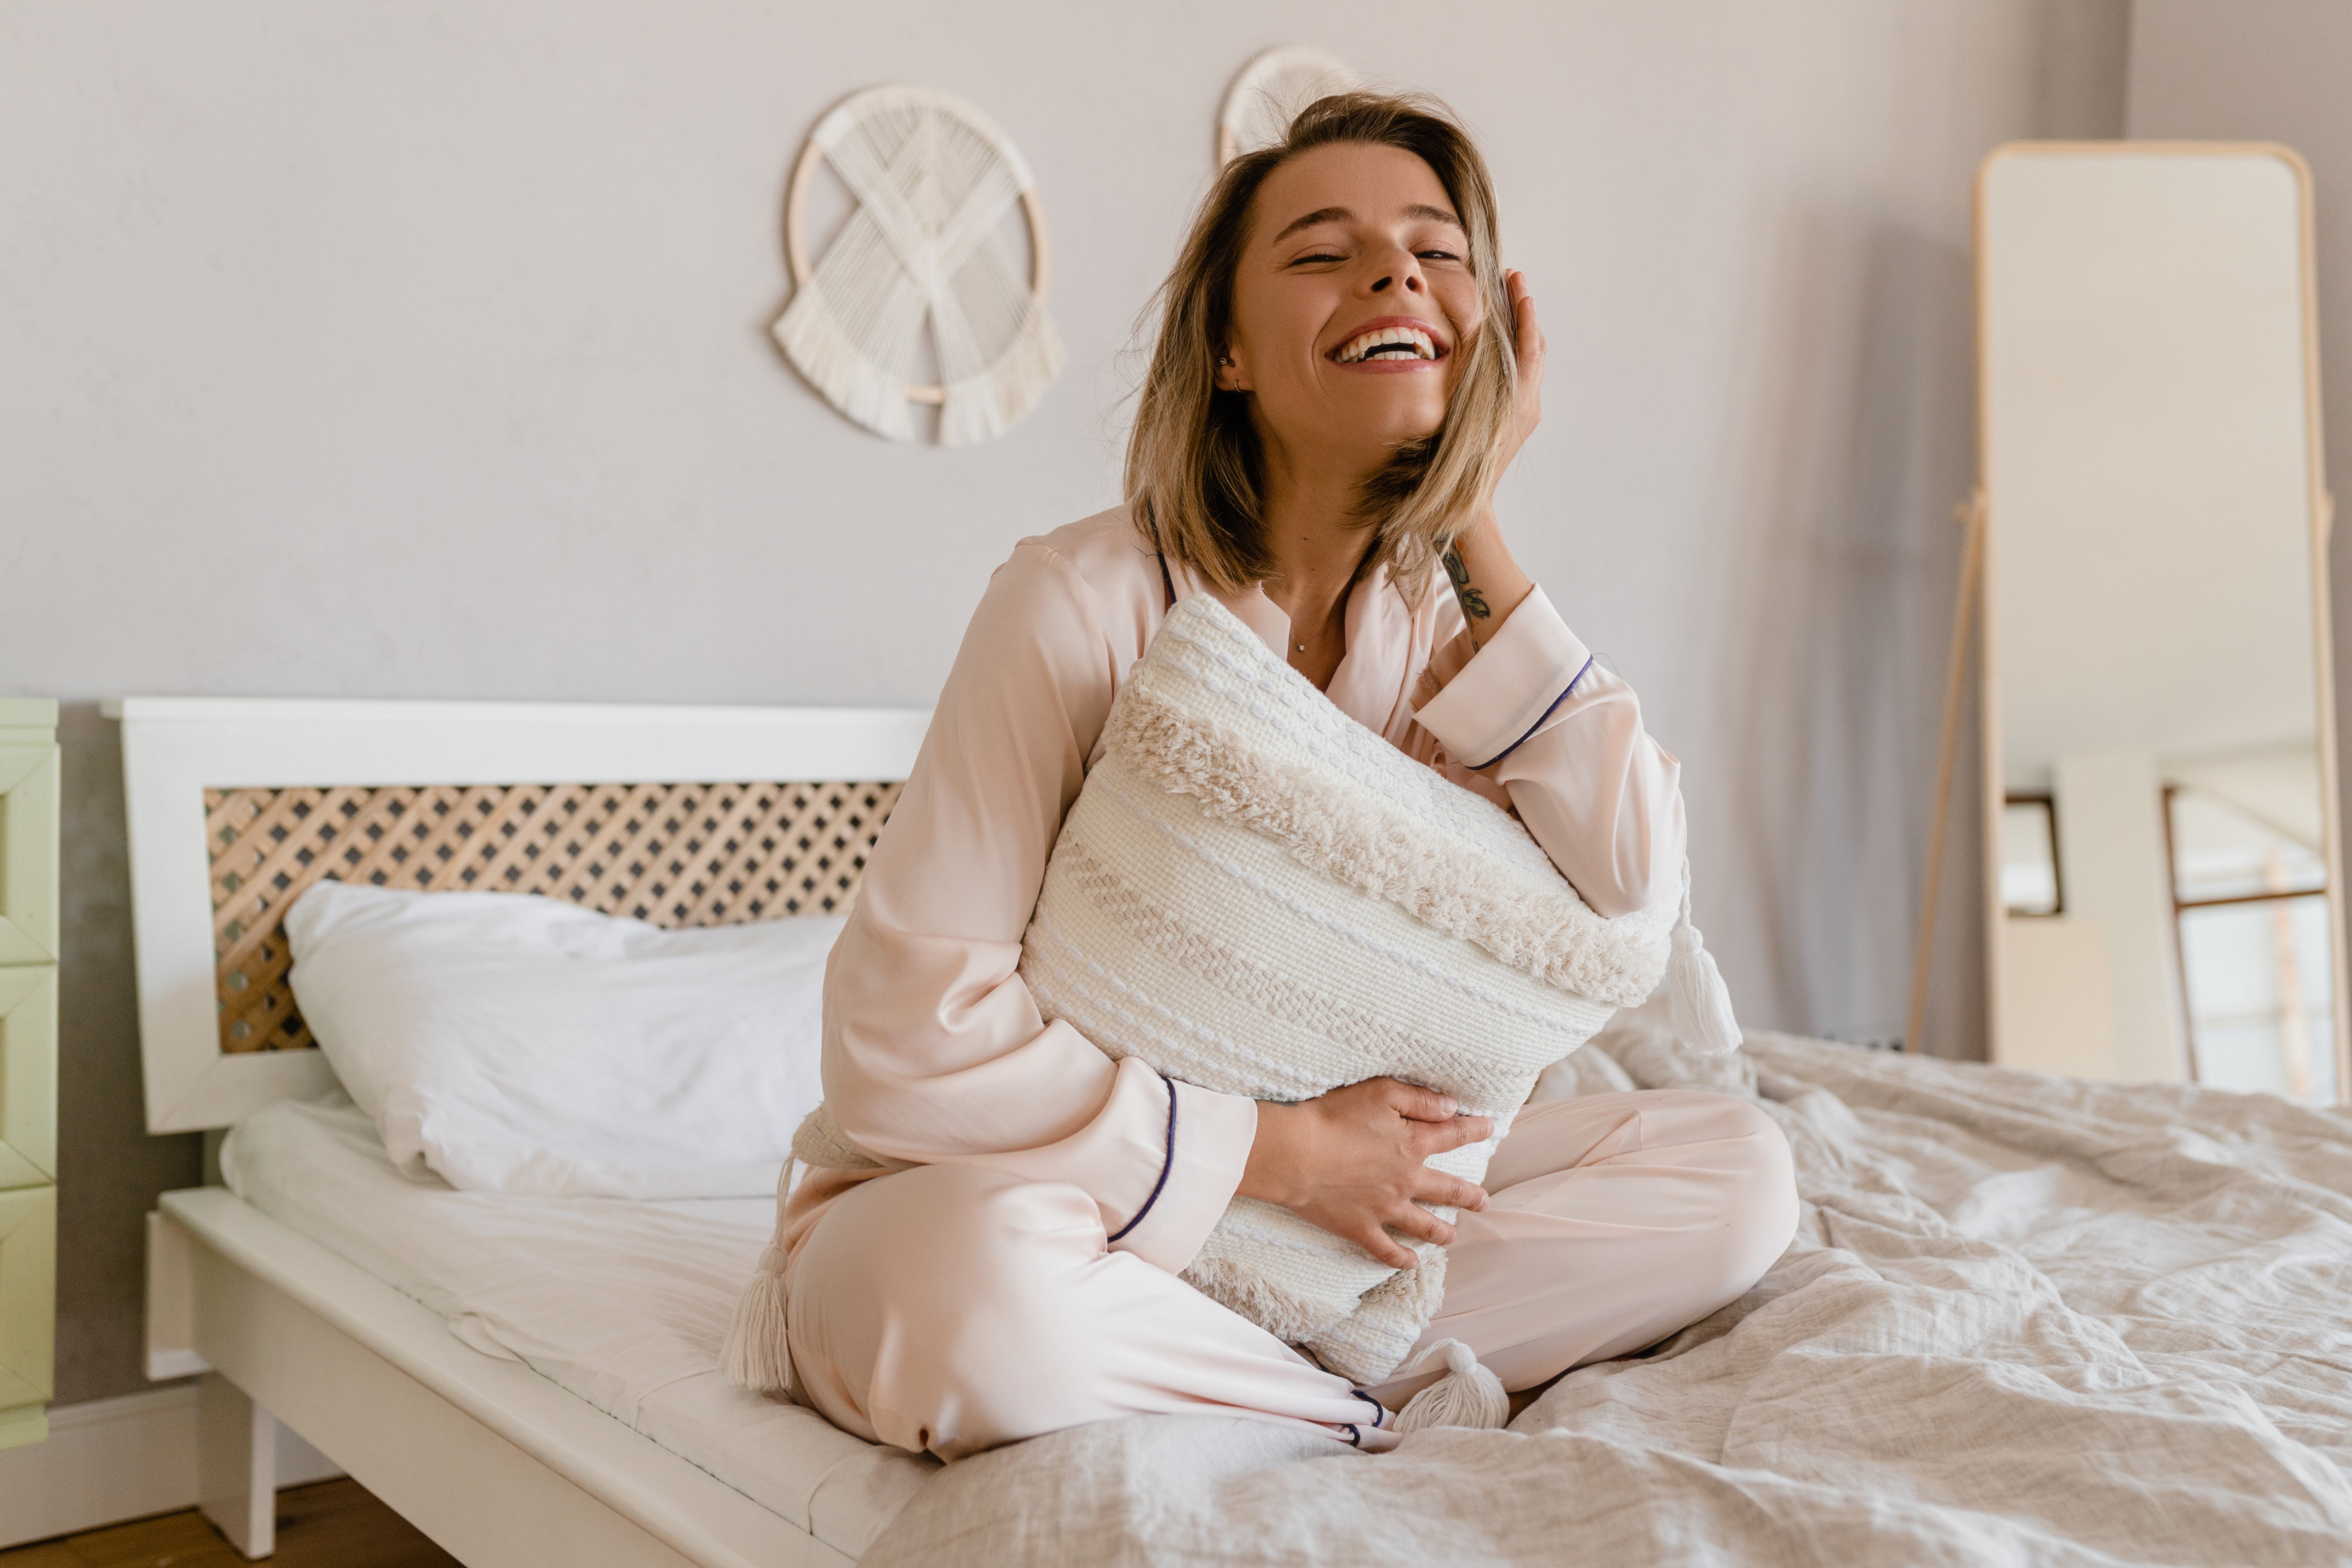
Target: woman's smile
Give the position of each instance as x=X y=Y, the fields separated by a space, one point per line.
x=1392 y=343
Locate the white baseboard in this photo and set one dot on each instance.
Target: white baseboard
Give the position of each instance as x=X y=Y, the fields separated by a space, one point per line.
x=113 y=1459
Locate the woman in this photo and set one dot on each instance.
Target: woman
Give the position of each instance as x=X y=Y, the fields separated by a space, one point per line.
x=1341 y=376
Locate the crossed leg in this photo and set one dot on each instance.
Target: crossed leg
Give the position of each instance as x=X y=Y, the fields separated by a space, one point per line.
x=950 y=1309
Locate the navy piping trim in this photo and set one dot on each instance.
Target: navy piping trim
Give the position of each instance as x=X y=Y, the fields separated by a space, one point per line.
x=1570 y=691
x=1165 y=1165
x=1380 y=1411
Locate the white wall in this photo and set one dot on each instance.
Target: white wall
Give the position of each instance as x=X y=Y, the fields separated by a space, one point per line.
x=419 y=351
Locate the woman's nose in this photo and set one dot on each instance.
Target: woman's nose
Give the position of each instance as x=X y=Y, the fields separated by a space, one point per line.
x=1401 y=274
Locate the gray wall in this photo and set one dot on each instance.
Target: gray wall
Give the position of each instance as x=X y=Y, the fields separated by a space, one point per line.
x=367 y=350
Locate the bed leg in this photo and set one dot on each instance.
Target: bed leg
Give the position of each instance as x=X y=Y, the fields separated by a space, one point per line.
x=171 y=1302
x=236 y=1466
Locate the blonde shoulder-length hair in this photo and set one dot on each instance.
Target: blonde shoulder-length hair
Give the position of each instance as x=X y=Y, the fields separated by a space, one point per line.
x=1194 y=470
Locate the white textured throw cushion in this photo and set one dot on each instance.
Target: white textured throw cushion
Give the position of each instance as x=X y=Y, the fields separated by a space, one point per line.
x=517 y=1043
x=1257 y=894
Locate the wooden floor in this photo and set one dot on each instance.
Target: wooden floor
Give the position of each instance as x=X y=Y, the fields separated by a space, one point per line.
x=334 y=1524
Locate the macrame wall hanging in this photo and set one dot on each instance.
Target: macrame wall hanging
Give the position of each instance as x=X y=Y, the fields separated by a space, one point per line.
x=1269 y=93
x=932 y=178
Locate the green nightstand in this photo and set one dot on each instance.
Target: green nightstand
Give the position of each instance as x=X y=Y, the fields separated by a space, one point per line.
x=28 y=1065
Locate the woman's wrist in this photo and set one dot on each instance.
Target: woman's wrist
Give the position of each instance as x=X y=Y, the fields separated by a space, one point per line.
x=1266 y=1175
x=1486 y=580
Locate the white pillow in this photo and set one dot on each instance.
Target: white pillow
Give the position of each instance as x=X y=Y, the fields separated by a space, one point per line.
x=1256 y=894
x=517 y=1043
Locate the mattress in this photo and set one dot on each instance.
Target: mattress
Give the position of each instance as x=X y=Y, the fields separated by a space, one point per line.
x=624 y=1304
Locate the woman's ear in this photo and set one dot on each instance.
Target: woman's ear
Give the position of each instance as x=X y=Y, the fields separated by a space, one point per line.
x=1229 y=374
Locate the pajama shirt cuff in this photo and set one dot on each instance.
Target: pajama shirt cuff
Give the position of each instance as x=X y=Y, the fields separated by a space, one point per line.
x=1209 y=1139
x=1502 y=697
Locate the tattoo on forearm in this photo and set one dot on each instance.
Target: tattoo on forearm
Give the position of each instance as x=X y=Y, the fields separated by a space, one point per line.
x=1473 y=603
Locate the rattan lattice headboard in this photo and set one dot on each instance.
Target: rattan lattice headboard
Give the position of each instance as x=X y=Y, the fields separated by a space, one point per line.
x=675 y=855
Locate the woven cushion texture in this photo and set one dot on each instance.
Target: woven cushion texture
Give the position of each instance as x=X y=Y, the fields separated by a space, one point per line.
x=1256 y=894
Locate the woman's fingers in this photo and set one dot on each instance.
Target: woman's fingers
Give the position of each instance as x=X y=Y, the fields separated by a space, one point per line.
x=1410 y=1100
x=1442 y=1136
x=1387 y=1248
x=1527 y=341
x=1527 y=332
x=1452 y=1192
x=1421 y=1225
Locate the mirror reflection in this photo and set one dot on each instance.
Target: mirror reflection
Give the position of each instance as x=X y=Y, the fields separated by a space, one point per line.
x=2161 y=904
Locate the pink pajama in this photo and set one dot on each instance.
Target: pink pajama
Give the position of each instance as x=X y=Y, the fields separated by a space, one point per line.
x=950 y=1309
x=1012 y=1264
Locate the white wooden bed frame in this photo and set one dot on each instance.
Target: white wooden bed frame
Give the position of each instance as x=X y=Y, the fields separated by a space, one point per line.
x=495 y=1462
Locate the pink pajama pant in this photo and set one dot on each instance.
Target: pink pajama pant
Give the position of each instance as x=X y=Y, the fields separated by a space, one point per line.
x=950 y=1309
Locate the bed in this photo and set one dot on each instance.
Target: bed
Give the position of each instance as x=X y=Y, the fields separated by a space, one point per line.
x=513 y=1425
x=2025 y=1319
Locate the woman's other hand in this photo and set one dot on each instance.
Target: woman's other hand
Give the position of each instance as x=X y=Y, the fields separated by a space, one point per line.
x=1488 y=581
x=1353 y=1163
x=1527 y=333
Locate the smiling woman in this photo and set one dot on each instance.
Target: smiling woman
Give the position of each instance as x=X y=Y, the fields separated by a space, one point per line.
x=989 y=1243
x=1372 y=225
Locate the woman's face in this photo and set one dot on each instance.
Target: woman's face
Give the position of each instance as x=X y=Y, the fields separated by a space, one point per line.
x=1352 y=304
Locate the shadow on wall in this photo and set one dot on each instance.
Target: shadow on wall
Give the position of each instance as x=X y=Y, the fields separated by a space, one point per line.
x=1836 y=613
x=109 y=1170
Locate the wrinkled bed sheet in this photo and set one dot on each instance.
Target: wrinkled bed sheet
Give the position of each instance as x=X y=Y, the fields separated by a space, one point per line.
x=2025 y=1320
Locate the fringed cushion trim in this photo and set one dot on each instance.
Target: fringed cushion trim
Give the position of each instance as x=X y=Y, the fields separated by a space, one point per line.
x=1547 y=933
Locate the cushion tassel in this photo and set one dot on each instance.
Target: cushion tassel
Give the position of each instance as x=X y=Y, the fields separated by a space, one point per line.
x=757 y=1356
x=1468 y=1395
x=1698 y=1004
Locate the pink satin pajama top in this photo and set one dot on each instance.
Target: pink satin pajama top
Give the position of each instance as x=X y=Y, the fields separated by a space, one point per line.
x=934 y=1050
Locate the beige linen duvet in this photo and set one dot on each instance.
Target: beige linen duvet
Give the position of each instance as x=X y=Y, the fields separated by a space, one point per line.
x=2024 y=1321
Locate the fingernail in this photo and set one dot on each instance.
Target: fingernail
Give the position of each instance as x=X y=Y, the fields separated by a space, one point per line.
x=1445 y=1106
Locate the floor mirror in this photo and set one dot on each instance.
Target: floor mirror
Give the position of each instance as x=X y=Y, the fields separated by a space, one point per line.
x=2147 y=556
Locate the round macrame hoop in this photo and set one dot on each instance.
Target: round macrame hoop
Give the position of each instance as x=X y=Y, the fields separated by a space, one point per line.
x=1041 y=253
x=1272 y=89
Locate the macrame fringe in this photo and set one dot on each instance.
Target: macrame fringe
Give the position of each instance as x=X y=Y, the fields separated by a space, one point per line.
x=821 y=350
x=1538 y=926
x=1368 y=1344
x=983 y=407
x=1288 y=1315
x=932 y=177
x=1698 y=1004
x=1468 y=1395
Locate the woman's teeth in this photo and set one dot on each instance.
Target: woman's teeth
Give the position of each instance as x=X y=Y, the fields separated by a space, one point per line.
x=1388 y=342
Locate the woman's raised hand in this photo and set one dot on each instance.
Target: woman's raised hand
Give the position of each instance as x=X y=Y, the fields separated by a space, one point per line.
x=1352 y=1162
x=1527 y=335
x=1488 y=581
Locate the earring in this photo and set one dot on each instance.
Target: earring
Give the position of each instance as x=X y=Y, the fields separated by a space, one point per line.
x=1223 y=359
